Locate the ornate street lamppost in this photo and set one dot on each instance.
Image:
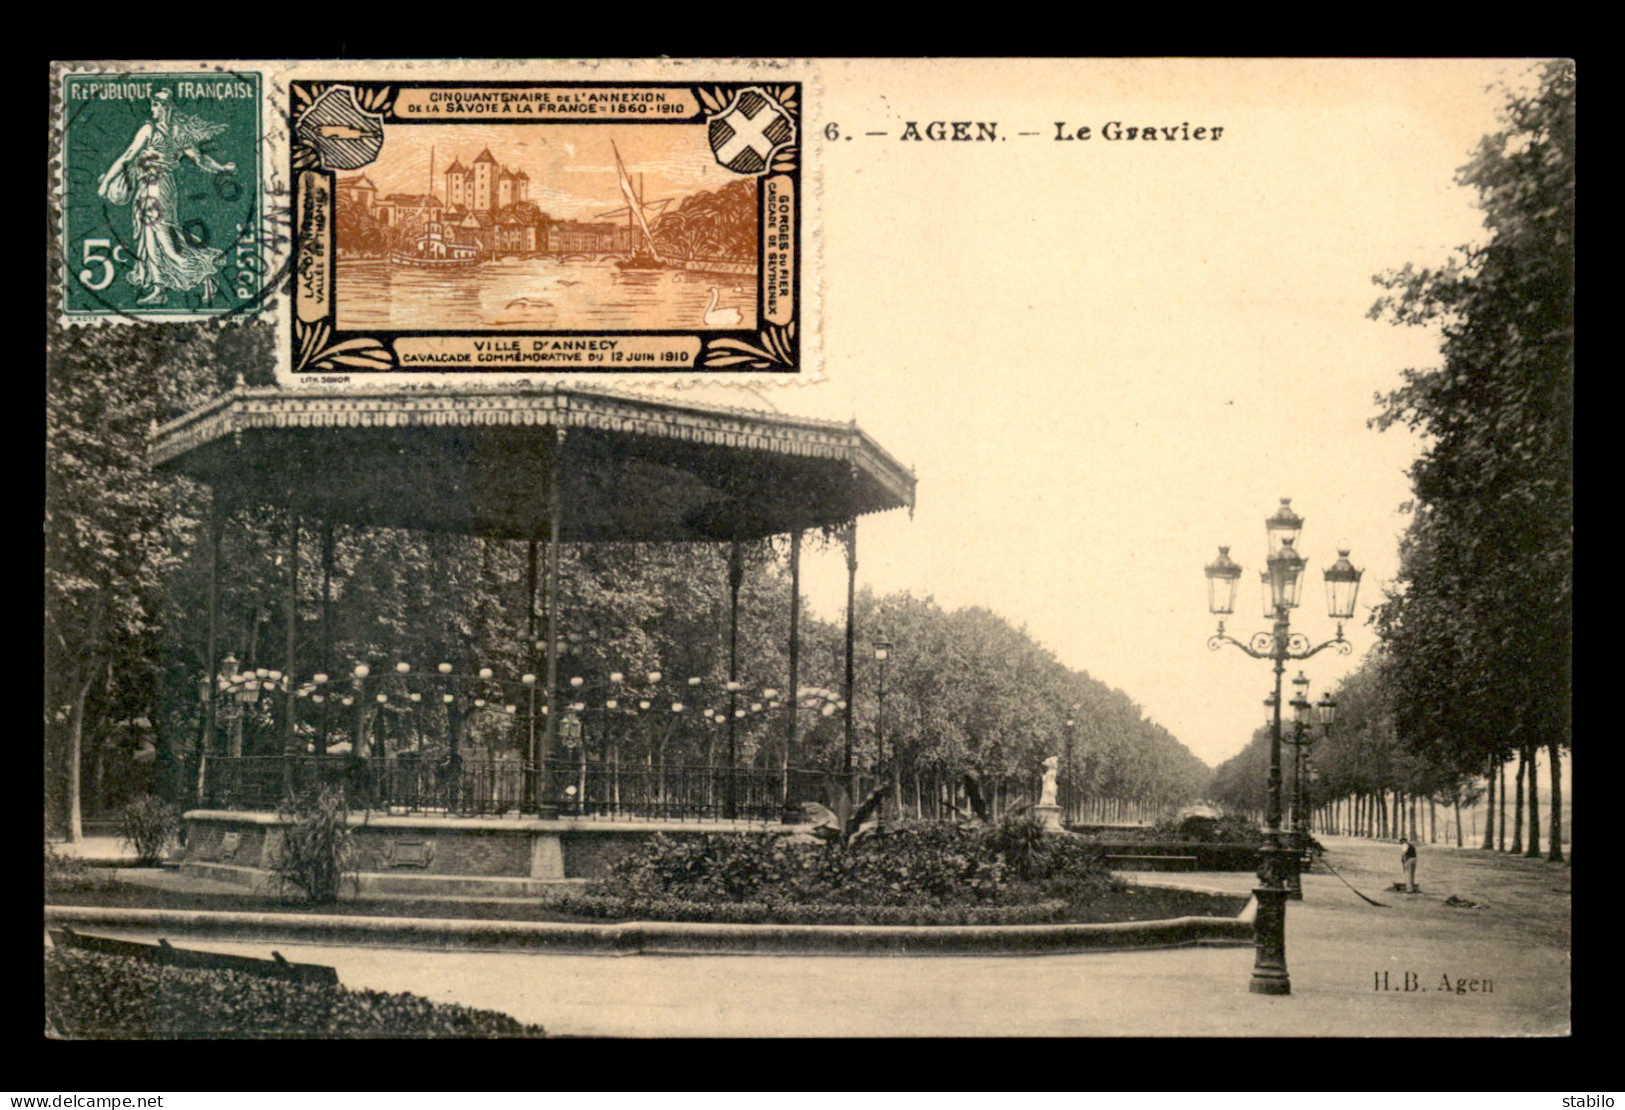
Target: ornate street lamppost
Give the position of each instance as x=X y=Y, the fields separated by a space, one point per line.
x=1326 y=711
x=1302 y=738
x=1283 y=577
x=1300 y=742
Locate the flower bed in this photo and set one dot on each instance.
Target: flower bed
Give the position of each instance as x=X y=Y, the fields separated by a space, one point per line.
x=90 y=995
x=926 y=874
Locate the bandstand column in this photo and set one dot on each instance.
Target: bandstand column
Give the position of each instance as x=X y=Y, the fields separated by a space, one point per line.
x=530 y=649
x=290 y=735
x=851 y=635
x=736 y=576
x=327 y=626
x=795 y=662
x=211 y=648
x=550 y=732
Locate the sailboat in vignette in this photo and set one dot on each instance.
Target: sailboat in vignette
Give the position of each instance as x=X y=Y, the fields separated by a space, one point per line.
x=646 y=256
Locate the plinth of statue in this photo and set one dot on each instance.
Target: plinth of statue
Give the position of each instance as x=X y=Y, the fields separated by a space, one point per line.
x=1050 y=816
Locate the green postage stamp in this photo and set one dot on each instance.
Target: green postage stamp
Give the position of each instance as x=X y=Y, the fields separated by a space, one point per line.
x=161 y=206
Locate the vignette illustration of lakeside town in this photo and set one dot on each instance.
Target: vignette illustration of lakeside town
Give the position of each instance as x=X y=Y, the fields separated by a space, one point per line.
x=467 y=227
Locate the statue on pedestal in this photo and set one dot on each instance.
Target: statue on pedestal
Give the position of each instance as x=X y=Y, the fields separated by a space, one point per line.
x=1047 y=798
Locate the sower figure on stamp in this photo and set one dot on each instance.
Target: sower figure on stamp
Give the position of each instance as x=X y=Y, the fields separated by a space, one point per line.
x=144 y=177
x=1407 y=859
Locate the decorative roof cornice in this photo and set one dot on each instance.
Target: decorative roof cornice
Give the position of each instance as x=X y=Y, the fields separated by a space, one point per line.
x=586 y=407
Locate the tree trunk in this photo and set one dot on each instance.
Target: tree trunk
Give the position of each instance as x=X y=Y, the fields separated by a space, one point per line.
x=1517 y=802
x=1501 y=819
x=1433 y=822
x=1554 y=750
x=76 y=738
x=1533 y=851
x=1458 y=822
x=1489 y=809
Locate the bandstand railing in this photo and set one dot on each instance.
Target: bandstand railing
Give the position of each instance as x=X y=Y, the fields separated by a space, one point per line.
x=468 y=786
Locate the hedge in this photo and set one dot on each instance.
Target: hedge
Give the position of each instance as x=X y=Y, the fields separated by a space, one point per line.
x=71 y=874
x=90 y=995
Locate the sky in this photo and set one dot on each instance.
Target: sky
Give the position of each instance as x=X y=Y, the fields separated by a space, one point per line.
x=571 y=169
x=1106 y=358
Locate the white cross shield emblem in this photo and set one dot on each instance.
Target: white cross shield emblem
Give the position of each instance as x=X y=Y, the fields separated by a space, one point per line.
x=745 y=134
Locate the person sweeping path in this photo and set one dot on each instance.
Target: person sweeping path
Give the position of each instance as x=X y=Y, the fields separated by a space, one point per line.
x=1407 y=860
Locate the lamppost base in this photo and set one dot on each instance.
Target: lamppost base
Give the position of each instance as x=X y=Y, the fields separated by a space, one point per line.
x=1269 y=932
x=1292 y=857
x=1264 y=984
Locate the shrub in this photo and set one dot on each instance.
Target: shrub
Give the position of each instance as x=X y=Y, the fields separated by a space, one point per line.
x=1237 y=830
x=1205 y=830
x=149 y=825
x=1020 y=840
x=89 y=994
x=1074 y=869
x=316 y=853
x=65 y=874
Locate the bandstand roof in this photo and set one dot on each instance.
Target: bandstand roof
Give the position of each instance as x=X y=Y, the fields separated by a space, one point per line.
x=476 y=460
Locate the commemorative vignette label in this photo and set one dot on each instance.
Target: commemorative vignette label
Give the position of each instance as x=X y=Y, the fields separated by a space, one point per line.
x=513 y=226
x=162 y=212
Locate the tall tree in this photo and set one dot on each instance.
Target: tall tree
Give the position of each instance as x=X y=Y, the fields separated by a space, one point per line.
x=108 y=534
x=1479 y=621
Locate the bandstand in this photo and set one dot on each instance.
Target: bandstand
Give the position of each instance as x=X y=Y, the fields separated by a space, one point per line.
x=542 y=466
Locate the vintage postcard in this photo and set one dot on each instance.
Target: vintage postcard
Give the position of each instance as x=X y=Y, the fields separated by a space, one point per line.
x=926 y=541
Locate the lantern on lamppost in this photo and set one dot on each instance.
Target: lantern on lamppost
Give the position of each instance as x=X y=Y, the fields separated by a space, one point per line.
x=1282 y=579
x=1222 y=575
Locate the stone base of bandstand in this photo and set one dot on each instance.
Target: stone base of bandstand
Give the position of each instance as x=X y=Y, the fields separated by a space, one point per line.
x=1050 y=816
x=436 y=855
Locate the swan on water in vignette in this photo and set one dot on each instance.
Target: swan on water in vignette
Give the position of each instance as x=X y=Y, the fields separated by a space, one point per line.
x=720 y=317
